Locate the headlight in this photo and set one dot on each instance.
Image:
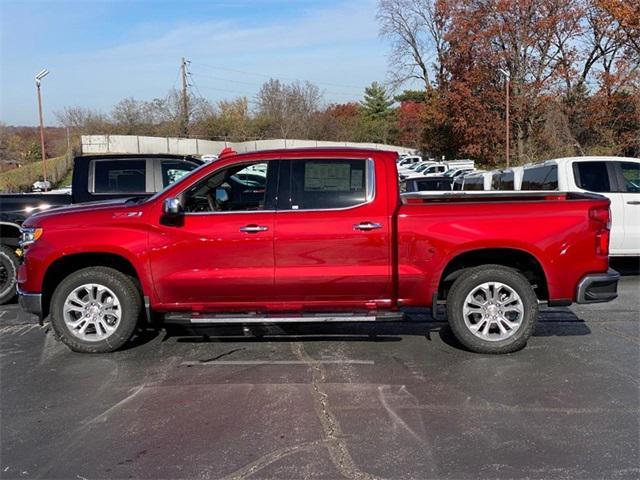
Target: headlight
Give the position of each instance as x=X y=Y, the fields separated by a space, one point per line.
x=29 y=235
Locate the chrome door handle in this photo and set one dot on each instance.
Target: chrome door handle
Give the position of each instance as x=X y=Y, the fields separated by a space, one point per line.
x=366 y=226
x=633 y=202
x=254 y=228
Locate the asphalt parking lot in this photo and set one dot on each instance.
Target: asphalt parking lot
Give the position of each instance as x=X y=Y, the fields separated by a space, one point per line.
x=389 y=400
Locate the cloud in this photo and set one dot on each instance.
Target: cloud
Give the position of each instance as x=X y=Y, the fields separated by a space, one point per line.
x=335 y=44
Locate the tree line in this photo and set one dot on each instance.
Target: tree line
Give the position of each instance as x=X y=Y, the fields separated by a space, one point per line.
x=574 y=70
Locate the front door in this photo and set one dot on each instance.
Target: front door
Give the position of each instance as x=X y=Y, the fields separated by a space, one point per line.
x=332 y=235
x=220 y=254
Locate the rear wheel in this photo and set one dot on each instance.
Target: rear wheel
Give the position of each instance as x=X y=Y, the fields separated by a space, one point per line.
x=95 y=310
x=8 y=270
x=492 y=309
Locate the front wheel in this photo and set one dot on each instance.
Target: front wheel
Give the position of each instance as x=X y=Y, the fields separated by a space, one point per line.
x=95 y=310
x=492 y=309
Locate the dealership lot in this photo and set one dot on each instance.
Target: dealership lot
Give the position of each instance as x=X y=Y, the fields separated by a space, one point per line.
x=326 y=401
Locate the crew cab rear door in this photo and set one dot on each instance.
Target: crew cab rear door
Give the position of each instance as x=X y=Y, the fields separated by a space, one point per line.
x=332 y=234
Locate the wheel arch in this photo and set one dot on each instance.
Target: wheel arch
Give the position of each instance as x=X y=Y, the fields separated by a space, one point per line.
x=10 y=234
x=66 y=265
x=521 y=260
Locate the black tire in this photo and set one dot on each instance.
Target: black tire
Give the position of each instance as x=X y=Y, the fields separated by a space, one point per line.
x=475 y=277
x=127 y=294
x=8 y=273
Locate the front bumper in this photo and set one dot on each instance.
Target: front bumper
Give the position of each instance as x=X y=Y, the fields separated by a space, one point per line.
x=598 y=287
x=30 y=302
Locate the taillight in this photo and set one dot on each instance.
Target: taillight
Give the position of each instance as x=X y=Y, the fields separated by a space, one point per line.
x=602 y=215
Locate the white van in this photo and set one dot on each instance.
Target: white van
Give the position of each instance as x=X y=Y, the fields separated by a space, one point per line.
x=617 y=178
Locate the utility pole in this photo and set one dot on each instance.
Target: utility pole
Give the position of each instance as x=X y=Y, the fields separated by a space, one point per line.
x=43 y=73
x=184 y=126
x=507 y=77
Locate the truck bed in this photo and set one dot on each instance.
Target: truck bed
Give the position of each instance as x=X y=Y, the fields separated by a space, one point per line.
x=417 y=198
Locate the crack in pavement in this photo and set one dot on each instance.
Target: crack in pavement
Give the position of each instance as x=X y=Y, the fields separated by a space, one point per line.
x=334 y=437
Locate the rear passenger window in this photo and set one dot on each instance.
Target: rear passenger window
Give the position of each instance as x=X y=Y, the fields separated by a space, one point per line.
x=592 y=176
x=119 y=176
x=473 y=183
x=544 y=177
x=502 y=181
x=495 y=181
x=323 y=184
x=630 y=177
x=431 y=185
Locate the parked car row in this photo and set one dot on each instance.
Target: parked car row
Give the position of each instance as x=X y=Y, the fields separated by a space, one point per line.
x=413 y=166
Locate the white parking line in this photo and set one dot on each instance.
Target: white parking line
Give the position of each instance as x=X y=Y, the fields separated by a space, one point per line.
x=277 y=362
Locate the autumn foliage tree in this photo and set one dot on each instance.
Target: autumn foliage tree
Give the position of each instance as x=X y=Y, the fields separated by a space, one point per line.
x=567 y=61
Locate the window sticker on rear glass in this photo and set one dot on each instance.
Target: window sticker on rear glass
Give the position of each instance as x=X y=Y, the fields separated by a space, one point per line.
x=356 y=179
x=327 y=177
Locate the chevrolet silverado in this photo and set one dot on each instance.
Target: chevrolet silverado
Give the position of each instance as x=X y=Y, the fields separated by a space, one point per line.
x=313 y=235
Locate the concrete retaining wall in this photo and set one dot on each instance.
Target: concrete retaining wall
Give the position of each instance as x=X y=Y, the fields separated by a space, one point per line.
x=192 y=146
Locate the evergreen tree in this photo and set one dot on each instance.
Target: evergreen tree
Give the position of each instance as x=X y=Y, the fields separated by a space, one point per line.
x=376 y=104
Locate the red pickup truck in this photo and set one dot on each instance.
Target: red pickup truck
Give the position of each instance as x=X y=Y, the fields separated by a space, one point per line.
x=313 y=235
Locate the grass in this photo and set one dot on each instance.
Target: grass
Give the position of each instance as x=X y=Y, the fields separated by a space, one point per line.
x=21 y=179
x=66 y=180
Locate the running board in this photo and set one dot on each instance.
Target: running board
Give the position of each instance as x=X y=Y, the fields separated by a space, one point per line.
x=249 y=318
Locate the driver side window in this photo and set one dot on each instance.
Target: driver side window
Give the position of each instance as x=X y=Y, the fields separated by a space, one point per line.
x=234 y=189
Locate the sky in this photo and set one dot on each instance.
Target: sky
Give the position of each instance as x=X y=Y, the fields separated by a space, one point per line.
x=99 y=51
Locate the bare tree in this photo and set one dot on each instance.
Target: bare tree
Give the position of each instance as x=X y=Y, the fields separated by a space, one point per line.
x=288 y=108
x=416 y=30
x=83 y=120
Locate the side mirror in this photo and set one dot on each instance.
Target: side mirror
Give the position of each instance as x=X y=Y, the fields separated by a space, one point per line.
x=222 y=196
x=172 y=207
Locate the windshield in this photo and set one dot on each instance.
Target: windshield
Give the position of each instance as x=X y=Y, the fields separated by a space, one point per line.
x=181 y=179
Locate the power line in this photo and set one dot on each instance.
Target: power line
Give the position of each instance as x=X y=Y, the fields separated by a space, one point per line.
x=177 y=77
x=226 y=79
x=194 y=85
x=254 y=84
x=277 y=76
x=226 y=90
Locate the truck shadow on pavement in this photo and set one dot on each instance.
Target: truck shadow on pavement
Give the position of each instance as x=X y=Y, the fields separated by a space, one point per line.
x=626 y=266
x=552 y=322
